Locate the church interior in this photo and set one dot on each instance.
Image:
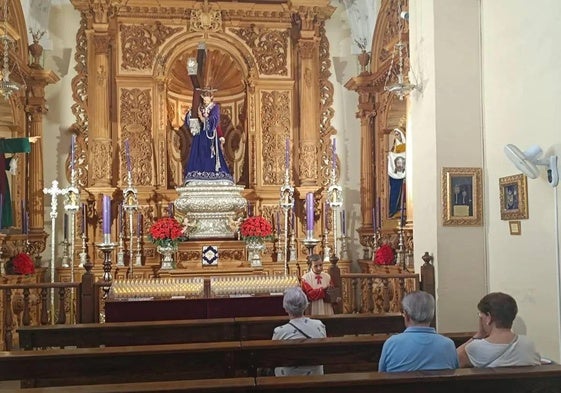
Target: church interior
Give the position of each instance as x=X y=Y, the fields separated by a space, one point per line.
x=352 y=127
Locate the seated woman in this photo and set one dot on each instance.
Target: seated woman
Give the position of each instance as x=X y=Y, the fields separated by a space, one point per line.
x=299 y=326
x=495 y=344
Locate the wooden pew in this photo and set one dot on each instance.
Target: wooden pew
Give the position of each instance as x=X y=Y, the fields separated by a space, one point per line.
x=192 y=331
x=542 y=379
x=188 y=361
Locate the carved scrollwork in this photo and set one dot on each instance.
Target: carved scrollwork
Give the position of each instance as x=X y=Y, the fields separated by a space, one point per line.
x=102 y=149
x=269 y=47
x=136 y=123
x=140 y=44
x=308 y=160
x=276 y=127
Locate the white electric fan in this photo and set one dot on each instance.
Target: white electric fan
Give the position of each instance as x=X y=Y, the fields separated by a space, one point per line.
x=528 y=162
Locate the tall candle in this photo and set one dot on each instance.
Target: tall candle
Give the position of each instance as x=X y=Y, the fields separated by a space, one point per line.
x=278 y=222
x=139 y=224
x=310 y=211
x=128 y=155
x=65 y=226
x=84 y=217
x=106 y=209
x=1 y=205
x=26 y=216
x=120 y=219
x=379 y=216
x=374 y=219
x=334 y=159
x=287 y=154
x=72 y=149
x=325 y=216
x=171 y=211
x=343 y=223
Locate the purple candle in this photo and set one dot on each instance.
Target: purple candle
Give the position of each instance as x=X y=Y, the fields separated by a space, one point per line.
x=310 y=211
x=287 y=154
x=128 y=155
x=139 y=224
x=84 y=217
x=379 y=216
x=374 y=219
x=65 y=226
x=26 y=216
x=343 y=223
x=106 y=209
x=72 y=149
x=334 y=159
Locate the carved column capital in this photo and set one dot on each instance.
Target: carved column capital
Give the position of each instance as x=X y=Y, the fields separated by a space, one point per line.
x=101 y=43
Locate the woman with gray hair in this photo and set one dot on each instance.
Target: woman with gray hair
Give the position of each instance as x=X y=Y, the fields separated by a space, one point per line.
x=299 y=326
x=419 y=347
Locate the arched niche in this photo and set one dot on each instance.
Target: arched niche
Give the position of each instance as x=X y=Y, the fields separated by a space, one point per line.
x=226 y=71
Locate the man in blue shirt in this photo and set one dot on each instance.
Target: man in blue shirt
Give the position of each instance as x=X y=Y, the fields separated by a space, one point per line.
x=419 y=347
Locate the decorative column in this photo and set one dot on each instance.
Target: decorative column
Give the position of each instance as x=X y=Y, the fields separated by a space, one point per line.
x=35 y=109
x=100 y=144
x=362 y=84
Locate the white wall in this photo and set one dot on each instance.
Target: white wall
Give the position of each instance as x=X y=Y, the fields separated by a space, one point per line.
x=522 y=96
x=445 y=131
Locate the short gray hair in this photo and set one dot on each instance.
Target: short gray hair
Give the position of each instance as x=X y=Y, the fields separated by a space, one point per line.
x=294 y=301
x=419 y=306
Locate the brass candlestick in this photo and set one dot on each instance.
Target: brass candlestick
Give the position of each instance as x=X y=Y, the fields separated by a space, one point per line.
x=107 y=248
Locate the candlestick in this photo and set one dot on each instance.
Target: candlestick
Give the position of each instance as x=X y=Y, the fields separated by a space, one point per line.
x=287 y=154
x=128 y=155
x=139 y=223
x=343 y=223
x=106 y=210
x=310 y=211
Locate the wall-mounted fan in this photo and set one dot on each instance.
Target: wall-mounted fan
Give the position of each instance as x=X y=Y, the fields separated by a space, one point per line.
x=528 y=162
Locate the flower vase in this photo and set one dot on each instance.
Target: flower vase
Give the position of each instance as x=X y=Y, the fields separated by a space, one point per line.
x=254 y=249
x=167 y=252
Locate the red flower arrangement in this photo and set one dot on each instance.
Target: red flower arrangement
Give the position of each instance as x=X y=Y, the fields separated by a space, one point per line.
x=385 y=255
x=166 y=231
x=256 y=228
x=20 y=264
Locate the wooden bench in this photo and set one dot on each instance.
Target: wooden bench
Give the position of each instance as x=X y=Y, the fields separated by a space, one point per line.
x=189 y=361
x=542 y=379
x=190 y=331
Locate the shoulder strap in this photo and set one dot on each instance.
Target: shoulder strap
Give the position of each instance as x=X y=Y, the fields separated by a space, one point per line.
x=300 y=330
x=502 y=352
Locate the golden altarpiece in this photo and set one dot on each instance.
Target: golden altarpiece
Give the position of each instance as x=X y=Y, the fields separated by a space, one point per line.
x=382 y=115
x=268 y=60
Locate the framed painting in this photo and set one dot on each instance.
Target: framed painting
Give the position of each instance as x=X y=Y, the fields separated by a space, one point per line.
x=515 y=227
x=462 y=197
x=513 y=197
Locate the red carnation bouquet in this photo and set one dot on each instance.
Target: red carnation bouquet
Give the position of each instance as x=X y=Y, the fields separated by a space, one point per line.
x=256 y=228
x=166 y=231
x=384 y=255
x=20 y=264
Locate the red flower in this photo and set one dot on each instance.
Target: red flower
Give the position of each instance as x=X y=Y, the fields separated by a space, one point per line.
x=20 y=264
x=166 y=231
x=385 y=255
x=256 y=227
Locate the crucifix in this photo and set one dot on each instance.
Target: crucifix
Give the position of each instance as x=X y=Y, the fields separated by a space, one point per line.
x=197 y=73
x=54 y=191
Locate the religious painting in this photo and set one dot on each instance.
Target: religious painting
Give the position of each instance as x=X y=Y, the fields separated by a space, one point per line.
x=513 y=197
x=462 y=197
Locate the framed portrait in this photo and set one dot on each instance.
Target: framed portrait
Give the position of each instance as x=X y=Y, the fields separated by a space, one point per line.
x=514 y=197
x=462 y=197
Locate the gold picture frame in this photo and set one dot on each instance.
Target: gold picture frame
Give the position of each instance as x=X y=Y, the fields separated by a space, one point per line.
x=513 y=197
x=462 y=197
